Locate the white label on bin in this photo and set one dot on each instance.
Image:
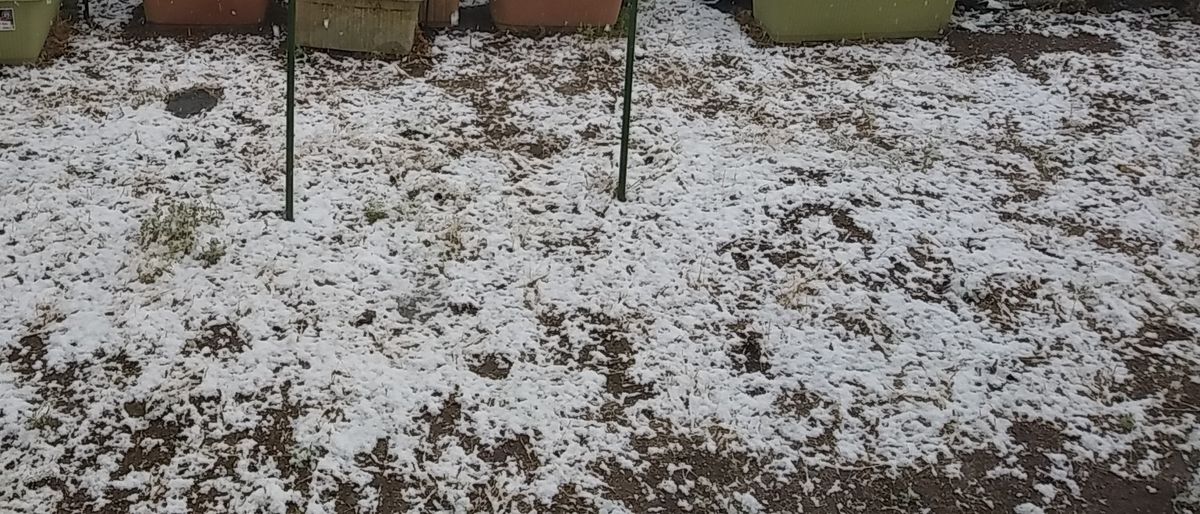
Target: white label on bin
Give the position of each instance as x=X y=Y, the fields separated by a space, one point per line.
x=7 y=22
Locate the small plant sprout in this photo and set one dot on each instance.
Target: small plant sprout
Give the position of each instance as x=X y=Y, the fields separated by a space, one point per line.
x=796 y=292
x=375 y=211
x=453 y=237
x=212 y=254
x=173 y=225
x=170 y=232
x=1126 y=423
x=43 y=419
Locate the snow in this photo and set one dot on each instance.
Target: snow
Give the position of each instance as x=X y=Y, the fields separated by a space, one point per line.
x=927 y=252
x=1047 y=491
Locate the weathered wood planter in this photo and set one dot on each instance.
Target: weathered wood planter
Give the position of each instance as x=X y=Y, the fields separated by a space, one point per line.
x=24 y=25
x=439 y=13
x=206 y=12
x=795 y=21
x=375 y=26
x=554 y=14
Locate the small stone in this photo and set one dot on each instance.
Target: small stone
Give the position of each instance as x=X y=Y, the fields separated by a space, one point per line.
x=135 y=409
x=190 y=102
x=366 y=318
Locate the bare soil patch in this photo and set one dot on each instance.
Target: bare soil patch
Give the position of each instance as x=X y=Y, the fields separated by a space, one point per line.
x=973 y=48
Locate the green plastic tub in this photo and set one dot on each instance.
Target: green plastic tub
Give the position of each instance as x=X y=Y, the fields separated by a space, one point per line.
x=24 y=25
x=375 y=26
x=797 y=21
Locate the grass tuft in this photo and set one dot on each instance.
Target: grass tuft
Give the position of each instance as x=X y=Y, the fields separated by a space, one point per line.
x=375 y=211
x=170 y=232
x=212 y=254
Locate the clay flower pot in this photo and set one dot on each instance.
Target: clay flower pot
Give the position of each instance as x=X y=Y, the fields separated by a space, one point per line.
x=439 y=13
x=206 y=12
x=554 y=14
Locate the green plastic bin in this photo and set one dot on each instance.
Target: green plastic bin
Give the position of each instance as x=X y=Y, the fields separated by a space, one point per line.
x=796 y=21
x=24 y=25
x=375 y=26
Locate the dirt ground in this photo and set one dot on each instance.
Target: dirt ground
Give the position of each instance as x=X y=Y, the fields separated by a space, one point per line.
x=709 y=463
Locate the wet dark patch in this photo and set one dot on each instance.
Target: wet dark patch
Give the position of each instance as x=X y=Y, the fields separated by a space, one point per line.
x=730 y=6
x=586 y=243
x=865 y=325
x=551 y=322
x=28 y=359
x=345 y=500
x=1106 y=493
x=1155 y=374
x=463 y=309
x=76 y=501
x=153 y=446
x=390 y=485
x=611 y=350
x=1108 y=238
x=492 y=96
x=493 y=366
x=568 y=500
x=589 y=75
x=444 y=423
x=707 y=475
x=1003 y=302
x=1116 y=110
x=973 y=48
x=516 y=451
x=695 y=89
x=364 y=319
x=192 y=102
x=1157 y=331
x=727 y=62
x=28 y=356
x=922 y=276
x=799 y=403
x=746 y=251
x=932 y=284
x=847 y=228
x=1037 y=436
x=682 y=473
x=793 y=175
x=222 y=339
x=58 y=41
x=747 y=354
x=541 y=147
x=744 y=16
x=1027 y=188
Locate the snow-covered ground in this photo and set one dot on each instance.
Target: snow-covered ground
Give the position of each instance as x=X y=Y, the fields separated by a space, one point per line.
x=862 y=277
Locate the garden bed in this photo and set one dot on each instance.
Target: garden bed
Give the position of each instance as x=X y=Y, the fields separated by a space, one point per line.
x=952 y=274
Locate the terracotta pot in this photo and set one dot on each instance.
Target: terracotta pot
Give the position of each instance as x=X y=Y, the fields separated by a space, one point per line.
x=206 y=12
x=555 y=14
x=439 y=13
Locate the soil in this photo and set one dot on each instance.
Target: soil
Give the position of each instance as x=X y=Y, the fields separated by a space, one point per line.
x=58 y=42
x=1021 y=49
x=704 y=464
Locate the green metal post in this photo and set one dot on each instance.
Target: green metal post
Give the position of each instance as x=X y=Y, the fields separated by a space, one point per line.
x=631 y=40
x=291 y=111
